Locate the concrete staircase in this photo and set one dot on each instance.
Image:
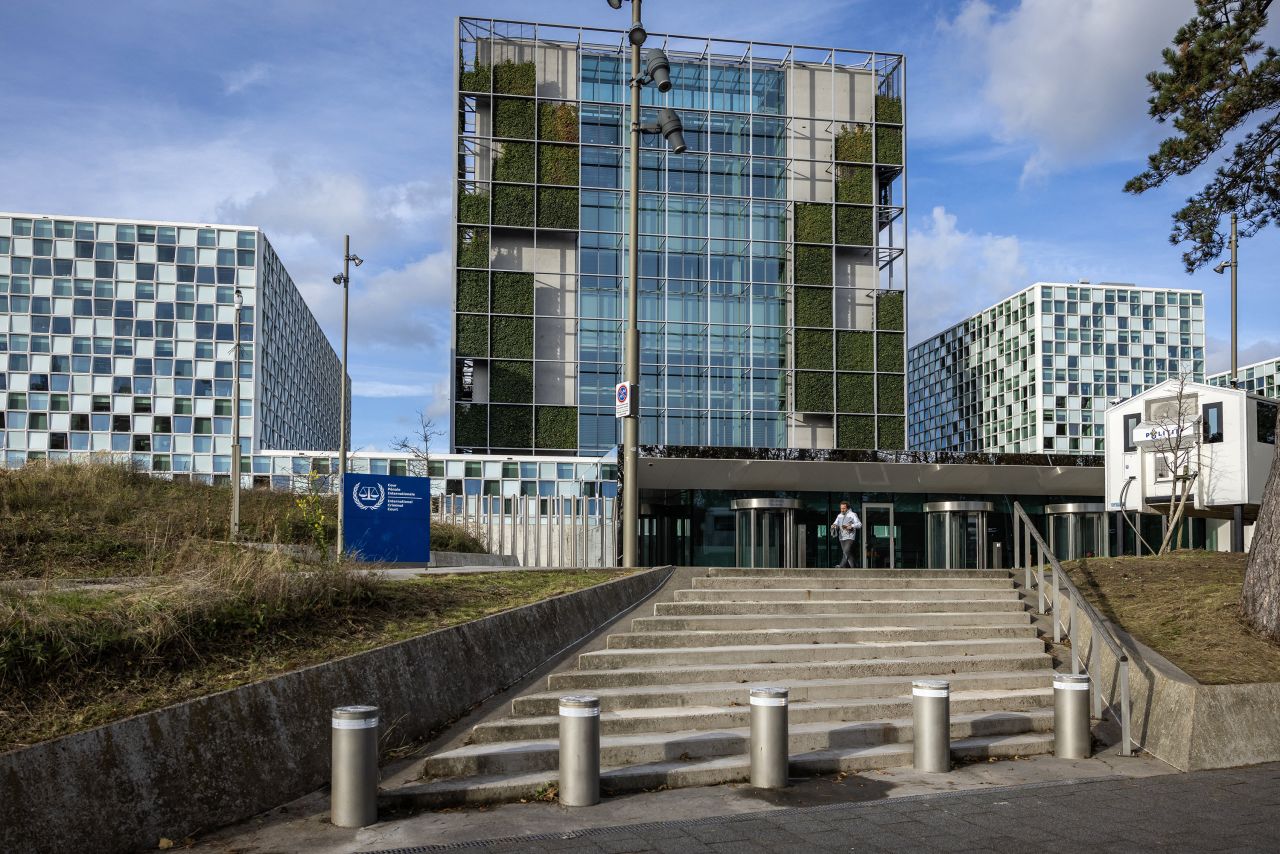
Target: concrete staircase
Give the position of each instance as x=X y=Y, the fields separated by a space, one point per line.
x=847 y=643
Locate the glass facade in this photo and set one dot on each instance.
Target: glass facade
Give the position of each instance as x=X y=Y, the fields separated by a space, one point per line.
x=772 y=275
x=116 y=339
x=1259 y=378
x=1036 y=372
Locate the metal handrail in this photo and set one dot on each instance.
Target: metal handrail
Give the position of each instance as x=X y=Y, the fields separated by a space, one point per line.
x=1025 y=534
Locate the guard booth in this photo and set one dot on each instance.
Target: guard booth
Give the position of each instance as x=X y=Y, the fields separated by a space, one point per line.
x=1078 y=530
x=766 y=534
x=957 y=534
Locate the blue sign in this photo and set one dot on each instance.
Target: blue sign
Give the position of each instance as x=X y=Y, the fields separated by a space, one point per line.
x=387 y=517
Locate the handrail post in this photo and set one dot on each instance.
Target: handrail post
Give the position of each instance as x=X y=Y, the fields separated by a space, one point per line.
x=1056 y=569
x=1093 y=666
x=1040 y=579
x=1126 y=743
x=1073 y=634
x=1026 y=538
x=1017 y=538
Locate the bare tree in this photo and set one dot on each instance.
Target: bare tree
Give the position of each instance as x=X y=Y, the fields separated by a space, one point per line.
x=1175 y=437
x=418 y=443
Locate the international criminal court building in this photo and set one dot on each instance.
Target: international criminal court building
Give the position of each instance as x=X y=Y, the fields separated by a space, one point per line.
x=117 y=342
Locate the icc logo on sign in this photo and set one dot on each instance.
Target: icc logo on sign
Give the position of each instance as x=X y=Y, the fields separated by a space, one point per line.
x=368 y=497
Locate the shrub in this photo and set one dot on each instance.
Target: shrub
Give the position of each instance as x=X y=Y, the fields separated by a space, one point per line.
x=890 y=393
x=813 y=391
x=450 y=537
x=889 y=145
x=512 y=293
x=515 y=78
x=889 y=352
x=511 y=426
x=473 y=247
x=473 y=291
x=473 y=207
x=558 y=164
x=558 y=122
x=557 y=207
x=813 y=265
x=854 y=351
x=555 y=427
x=893 y=433
x=854 y=185
x=813 y=349
x=469 y=428
x=813 y=307
x=475 y=80
x=514 y=163
x=813 y=222
x=889 y=310
x=511 y=382
x=473 y=336
x=512 y=337
x=513 y=118
x=853 y=226
x=855 y=393
x=854 y=144
x=888 y=109
x=513 y=205
x=855 y=431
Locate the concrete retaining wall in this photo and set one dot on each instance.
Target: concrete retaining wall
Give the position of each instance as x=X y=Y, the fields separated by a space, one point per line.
x=1178 y=720
x=220 y=759
x=467 y=559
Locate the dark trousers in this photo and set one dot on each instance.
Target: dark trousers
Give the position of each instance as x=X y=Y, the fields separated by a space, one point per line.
x=847 y=547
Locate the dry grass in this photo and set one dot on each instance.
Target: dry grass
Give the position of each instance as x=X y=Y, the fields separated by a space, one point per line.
x=70 y=661
x=1185 y=606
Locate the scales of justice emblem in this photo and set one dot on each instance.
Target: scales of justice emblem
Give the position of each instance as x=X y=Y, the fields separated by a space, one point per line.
x=368 y=497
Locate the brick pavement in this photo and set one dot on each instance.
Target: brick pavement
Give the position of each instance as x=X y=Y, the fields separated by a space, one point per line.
x=1233 y=810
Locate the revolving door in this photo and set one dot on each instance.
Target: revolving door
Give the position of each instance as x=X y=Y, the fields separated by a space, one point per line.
x=766 y=533
x=1078 y=530
x=957 y=534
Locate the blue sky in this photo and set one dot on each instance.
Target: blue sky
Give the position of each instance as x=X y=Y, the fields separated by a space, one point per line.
x=312 y=119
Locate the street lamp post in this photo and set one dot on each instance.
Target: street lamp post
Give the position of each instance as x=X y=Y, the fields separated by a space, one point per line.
x=343 y=279
x=1219 y=270
x=235 y=425
x=658 y=72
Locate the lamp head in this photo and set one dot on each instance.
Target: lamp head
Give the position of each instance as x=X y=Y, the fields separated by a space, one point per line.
x=670 y=127
x=1222 y=267
x=616 y=4
x=239 y=298
x=637 y=34
x=658 y=69
x=337 y=280
x=357 y=260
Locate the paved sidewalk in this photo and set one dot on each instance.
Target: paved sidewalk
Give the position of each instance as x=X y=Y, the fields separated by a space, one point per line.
x=1231 y=810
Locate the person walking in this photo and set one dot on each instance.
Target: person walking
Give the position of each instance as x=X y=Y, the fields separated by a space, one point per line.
x=846 y=527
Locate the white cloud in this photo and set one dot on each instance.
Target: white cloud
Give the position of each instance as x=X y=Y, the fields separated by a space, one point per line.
x=378 y=388
x=955 y=273
x=1065 y=79
x=235 y=82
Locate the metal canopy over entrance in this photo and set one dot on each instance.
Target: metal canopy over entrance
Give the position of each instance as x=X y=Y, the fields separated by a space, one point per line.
x=1077 y=530
x=957 y=533
x=766 y=534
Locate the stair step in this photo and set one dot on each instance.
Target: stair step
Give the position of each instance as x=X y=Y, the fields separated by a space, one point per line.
x=704 y=622
x=767 y=673
x=667 y=639
x=618 y=750
x=674 y=718
x=860 y=594
x=795 y=653
x=740 y=582
x=849 y=606
x=501 y=788
x=727 y=693
x=820 y=572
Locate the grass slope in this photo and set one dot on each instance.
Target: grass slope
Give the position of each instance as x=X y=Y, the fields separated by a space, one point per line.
x=1185 y=606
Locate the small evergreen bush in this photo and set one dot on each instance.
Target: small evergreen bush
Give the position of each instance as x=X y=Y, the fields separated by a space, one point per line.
x=813 y=222
x=854 y=184
x=469 y=428
x=513 y=205
x=473 y=291
x=512 y=337
x=514 y=163
x=889 y=310
x=813 y=391
x=855 y=393
x=890 y=394
x=893 y=433
x=888 y=109
x=512 y=292
x=558 y=164
x=513 y=118
x=813 y=349
x=855 y=431
x=511 y=382
x=854 y=351
x=475 y=79
x=473 y=207
x=473 y=335
x=853 y=226
x=515 y=78
x=889 y=352
x=853 y=144
x=889 y=145
x=473 y=247
x=556 y=427
x=813 y=265
x=557 y=207
x=511 y=427
x=558 y=122
x=813 y=307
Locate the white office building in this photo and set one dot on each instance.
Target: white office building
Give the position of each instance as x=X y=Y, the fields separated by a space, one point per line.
x=116 y=340
x=1034 y=373
x=1259 y=378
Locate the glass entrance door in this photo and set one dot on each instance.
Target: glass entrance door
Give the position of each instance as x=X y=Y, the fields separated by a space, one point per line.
x=879 y=537
x=765 y=532
x=957 y=532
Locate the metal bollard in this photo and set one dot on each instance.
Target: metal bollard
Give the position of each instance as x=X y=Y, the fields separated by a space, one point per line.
x=1071 y=736
x=353 y=796
x=931 y=703
x=770 y=752
x=579 y=751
